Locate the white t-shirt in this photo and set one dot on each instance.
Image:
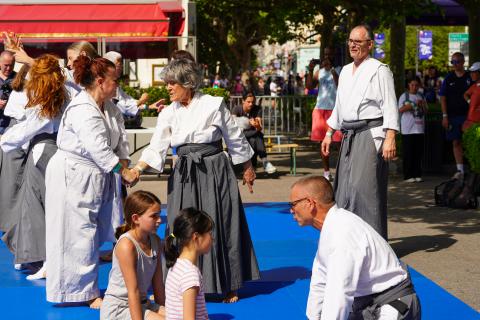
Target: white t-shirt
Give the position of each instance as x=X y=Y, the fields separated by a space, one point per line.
x=181 y=277
x=273 y=89
x=409 y=122
x=327 y=90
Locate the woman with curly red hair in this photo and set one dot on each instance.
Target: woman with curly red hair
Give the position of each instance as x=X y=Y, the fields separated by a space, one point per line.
x=37 y=136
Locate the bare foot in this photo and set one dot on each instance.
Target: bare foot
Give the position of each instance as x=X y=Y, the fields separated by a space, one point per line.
x=231 y=297
x=107 y=257
x=95 y=303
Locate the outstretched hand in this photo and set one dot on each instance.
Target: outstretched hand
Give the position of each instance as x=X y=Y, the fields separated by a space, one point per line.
x=11 y=41
x=158 y=105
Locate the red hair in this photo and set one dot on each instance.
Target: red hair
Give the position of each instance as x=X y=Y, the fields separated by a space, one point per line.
x=45 y=87
x=86 y=69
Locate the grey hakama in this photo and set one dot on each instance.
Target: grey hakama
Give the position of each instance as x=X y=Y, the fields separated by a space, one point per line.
x=203 y=178
x=11 y=175
x=26 y=237
x=362 y=175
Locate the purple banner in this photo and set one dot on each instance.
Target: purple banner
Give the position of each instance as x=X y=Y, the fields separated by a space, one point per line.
x=379 y=51
x=425 y=45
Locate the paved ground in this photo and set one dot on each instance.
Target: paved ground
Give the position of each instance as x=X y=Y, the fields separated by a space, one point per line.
x=441 y=243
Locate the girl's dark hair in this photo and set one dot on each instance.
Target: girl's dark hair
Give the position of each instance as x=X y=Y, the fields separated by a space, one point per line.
x=185 y=225
x=86 y=69
x=136 y=203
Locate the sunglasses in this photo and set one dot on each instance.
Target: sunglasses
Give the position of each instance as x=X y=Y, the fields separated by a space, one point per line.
x=456 y=61
x=294 y=203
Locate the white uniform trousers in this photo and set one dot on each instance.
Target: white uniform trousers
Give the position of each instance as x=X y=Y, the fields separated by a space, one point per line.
x=78 y=206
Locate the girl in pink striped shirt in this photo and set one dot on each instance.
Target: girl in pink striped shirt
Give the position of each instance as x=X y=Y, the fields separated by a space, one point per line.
x=191 y=237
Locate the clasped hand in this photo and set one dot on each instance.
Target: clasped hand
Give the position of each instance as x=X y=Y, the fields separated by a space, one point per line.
x=130 y=177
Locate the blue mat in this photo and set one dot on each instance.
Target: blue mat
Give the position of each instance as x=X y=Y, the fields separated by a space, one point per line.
x=285 y=253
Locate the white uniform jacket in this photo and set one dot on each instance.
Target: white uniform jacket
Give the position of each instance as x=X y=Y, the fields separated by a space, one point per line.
x=206 y=119
x=352 y=260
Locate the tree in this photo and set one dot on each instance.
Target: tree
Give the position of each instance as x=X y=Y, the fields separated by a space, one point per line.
x=472 y=7
x=228 y=29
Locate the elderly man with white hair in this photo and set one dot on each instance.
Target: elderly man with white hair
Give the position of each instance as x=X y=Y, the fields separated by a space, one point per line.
x=127 y=104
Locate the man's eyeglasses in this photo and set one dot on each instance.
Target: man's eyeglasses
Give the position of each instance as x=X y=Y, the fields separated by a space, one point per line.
x=453 y=61
x=356 y=42
x=294 y=203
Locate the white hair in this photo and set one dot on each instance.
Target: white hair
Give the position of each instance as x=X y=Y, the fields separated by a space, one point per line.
x=113 y=56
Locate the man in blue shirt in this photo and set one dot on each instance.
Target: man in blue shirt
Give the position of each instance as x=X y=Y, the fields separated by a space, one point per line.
x=454 y=106
x=7 y=62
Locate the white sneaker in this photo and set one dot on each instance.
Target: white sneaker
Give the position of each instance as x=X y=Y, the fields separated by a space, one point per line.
x=418 y=179
x=18 y=266
x=409 y=180
x=269 y=168
x=40 y=274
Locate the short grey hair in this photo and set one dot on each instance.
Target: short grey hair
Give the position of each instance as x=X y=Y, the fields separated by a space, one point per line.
x=113 y=56
x=185 y=72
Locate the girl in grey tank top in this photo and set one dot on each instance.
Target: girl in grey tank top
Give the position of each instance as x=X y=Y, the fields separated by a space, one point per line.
x=136 y=264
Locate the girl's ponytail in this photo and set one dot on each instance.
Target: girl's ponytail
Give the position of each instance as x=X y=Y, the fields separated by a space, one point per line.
x=171 y=250
x=121 y=230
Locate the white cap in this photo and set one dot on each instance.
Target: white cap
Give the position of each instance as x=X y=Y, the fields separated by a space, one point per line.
x=475 y=67
x=112 y=56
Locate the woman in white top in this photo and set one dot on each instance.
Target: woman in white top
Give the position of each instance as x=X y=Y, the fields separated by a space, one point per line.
x=412 y=107
x=203 y=176
x=80 y=181
x=46 y=99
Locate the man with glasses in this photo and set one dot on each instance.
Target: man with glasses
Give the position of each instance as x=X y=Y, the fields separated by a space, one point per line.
x=7 y=63
x=454 y=107
x=366 y=111
x=355 y=273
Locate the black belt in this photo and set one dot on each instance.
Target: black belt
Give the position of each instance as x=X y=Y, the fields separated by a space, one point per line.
x=351 y=128
x=192 y=154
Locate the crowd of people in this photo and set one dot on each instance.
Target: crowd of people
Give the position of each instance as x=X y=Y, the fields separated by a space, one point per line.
x=65 y=166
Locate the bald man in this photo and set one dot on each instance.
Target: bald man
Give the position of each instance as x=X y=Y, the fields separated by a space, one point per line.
x=366 y=111
x=7 y=63
x=355 y=274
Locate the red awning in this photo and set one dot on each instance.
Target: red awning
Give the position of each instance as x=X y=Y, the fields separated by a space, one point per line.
x=88 y=20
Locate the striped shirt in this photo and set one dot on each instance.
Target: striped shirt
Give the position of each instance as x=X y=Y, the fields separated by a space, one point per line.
x=181 y=277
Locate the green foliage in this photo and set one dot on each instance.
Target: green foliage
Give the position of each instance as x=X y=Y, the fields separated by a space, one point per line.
x=440 y=47
x=217 y=92
x=157 y=93
x=132 y=92
x=471 y=144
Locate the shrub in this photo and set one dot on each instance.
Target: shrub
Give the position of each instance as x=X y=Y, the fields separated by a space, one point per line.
x=217 y=92
x=471 y=145
x=160 y=92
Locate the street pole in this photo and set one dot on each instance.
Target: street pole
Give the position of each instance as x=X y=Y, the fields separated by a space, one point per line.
x=416 y=53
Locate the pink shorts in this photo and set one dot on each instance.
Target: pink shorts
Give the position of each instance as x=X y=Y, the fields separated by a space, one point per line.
x=320 y=127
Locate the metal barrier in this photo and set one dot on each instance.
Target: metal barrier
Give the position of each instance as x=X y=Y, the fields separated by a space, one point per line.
x=284 y=115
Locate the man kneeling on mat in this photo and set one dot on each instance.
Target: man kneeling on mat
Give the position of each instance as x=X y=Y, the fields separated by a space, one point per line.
x=355 y=274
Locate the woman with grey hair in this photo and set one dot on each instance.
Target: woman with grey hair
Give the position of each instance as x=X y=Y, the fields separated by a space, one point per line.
x=203 y=176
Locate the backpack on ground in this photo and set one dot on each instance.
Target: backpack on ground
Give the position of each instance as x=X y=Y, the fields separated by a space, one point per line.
x=458 y=193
